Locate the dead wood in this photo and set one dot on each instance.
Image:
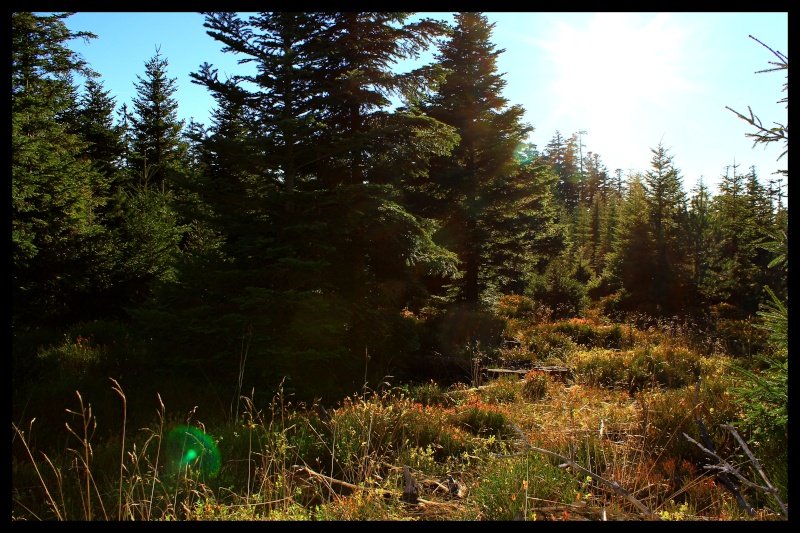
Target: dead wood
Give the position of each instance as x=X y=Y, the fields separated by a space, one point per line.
x=410 y=494
x=342 y=488
x=709 y=450
x=569 y=462
x=726 y=468
x=410 y=491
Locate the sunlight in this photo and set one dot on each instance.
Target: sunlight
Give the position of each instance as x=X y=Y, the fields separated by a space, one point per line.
x=617 y=66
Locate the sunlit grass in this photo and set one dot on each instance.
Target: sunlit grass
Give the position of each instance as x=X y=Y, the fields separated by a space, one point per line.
x=622 y=415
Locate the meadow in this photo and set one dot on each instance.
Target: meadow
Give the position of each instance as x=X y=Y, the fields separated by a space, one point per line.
x=644 y=420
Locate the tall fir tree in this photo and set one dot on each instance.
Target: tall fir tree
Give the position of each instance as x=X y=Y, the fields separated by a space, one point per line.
x=59 y=245
x=734 y=272
x=631 y=264
x=743 y=221
x=156 y=130
x=155 y=177
x=562 y=155
x=666 y=202
x=96 y=125
x=700 y=243
x=315 y=251
x=476 y=187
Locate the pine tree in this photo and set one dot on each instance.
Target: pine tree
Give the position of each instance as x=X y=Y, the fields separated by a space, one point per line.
x=476 y=187
x=58 y=241
x=315 y=253
x=156 y=130
x=667 y=215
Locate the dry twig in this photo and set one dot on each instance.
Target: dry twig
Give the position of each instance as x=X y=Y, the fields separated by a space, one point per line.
x=569 y=462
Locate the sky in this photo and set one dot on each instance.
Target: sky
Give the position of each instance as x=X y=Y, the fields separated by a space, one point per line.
x=628 y=80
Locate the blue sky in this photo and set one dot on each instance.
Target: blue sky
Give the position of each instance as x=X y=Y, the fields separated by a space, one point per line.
x=629 y=80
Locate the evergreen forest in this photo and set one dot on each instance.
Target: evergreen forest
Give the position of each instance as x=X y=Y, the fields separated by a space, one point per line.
x=345 y=242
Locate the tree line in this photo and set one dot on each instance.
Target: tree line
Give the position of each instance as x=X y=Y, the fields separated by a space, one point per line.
x=314 y=224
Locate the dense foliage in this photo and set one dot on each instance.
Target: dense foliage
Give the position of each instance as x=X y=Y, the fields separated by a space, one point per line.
x=340 y=222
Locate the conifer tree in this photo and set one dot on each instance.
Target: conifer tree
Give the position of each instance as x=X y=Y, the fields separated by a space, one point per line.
x=315 y=252
x=631 y=264
x=562 y=155
x=155 y=128
x=743 y=221
x=96 y=125
x=700 y=242
x=58 y=242
x=155 y=176
x=667 y=218
x=476 y=187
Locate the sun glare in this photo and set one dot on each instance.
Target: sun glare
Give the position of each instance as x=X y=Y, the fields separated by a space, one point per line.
x=617 y=65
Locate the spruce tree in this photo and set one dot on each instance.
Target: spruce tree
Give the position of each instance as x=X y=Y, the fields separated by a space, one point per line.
x=735 y=273
x=105 y=138
x=632 y=263
x=155 y=128
x=476 y=187
x=315 y=254
x=562 y=155
x=743 y=221
x=667 y=218
x=700 y=243
x=59 y=244
x=156 y=172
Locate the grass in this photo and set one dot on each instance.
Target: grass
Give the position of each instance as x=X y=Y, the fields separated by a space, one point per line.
x=603 y=445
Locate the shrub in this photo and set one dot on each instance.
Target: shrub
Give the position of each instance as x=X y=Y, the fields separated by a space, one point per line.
x=514 y=306
x=544 y=343
x=634 y=370
x=505 y=389
x=763 y=394
x=482 y=421
x=604 y=368
x=429 y=393
x=565 y=296
x=668 y=414
x=467 y=324
x=559 y=288
x=536 y=384
x=742 y=338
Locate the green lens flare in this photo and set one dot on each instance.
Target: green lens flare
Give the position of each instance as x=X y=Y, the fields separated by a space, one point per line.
x=191 y=448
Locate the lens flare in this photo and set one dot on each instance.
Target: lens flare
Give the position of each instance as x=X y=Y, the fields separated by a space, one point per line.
x=192 y=448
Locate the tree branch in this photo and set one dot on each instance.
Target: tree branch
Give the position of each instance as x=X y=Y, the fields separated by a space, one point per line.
x=569 y=462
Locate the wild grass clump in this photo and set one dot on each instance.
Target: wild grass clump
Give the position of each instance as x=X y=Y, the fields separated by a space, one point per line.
x=544 y=344
x=634 y=370
x=428 y=393
x=535 y=385
x=585 y=332
x=668 y=414
x=504 y=390
x=742 y=338
x=513 y=488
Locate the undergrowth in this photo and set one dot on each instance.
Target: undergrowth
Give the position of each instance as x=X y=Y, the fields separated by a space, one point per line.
x=607 y=443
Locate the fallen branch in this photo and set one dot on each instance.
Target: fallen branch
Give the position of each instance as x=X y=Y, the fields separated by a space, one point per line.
x=772 y=490
x=724 y=466
x=343 y=488
x=709 y=450
x=569 y=462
